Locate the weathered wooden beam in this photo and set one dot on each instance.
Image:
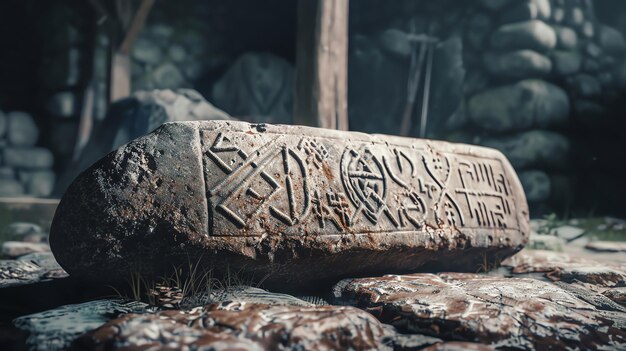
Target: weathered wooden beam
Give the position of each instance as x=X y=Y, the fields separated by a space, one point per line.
x=120 y=76
x=128 y=29
x=137 y=24
x=321 y=98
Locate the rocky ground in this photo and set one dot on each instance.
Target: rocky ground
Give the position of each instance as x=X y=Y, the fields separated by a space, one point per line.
x=566 y=290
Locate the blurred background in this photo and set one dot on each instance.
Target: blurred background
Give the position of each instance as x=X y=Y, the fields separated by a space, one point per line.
x=544 y=81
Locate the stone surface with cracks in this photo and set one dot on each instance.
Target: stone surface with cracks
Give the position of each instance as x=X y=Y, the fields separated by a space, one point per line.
x=243 y=326
x=559 y=266
x=294 y=204
x=511 y=313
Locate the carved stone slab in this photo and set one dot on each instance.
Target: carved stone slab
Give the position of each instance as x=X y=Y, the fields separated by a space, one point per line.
x=299 y=203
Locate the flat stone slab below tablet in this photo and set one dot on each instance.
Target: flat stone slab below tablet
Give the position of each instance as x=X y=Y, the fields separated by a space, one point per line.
x=510 y=313
x=295 y=204
x=245 y=326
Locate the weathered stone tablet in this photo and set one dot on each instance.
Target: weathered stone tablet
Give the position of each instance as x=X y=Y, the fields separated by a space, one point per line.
x=295 y=205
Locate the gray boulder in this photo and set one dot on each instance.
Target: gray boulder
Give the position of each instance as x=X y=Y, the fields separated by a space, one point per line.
x=21 y=129
x=533 y=35
x=523 y=105
x=537 y=148
x=137 y=115
x=517 y=64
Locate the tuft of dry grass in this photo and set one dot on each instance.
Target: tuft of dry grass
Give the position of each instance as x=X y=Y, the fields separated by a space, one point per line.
x=187 y=286
x=488 y=265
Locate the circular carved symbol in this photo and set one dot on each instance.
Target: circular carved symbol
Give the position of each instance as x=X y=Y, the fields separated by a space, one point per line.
x=363 y=178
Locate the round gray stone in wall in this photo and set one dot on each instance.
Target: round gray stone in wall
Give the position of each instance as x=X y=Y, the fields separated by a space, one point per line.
x=146 y=51
x=168 y=76
x=523 y=105
x=566 y=38
x=534 y=35
x=517 y=64
x=536 y=148
x=21 y=129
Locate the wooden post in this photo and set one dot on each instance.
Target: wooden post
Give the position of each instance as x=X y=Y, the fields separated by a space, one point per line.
x=321 y=98
x=129 y=26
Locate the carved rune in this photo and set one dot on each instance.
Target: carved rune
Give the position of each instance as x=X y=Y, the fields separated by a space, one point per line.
x=316 y=153
x=269 y=180
x=363 y=177
x=486 y=192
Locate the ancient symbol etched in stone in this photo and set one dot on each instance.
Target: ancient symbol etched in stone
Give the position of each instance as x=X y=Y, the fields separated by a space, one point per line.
x=224 y=145
x=486 y=193
x=447 y=210
x=335 y=209
x=365 y=182
x=412 y=207
x=260 y=177
x=316 y=153
x=269 y=179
